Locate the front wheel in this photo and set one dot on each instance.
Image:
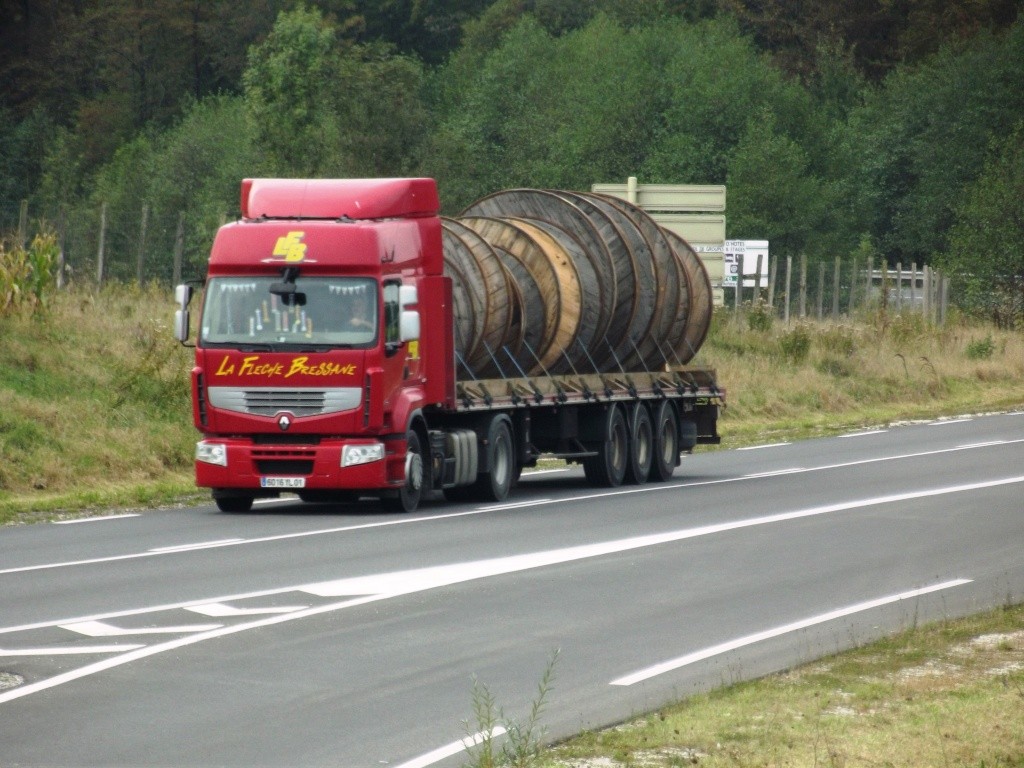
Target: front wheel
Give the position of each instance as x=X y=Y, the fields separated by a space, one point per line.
x=408 y=498
x=232 y=502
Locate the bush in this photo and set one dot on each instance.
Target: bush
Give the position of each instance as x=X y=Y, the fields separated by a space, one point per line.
x=760 y=316
x=981 y=349
x=796 y=344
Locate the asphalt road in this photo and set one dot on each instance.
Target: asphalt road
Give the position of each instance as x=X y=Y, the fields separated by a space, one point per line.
x=301 y=635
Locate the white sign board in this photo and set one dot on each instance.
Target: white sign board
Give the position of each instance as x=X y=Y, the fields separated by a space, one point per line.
x=735 y=252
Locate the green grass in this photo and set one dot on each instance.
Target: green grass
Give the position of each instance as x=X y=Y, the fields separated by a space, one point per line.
x=95 y=412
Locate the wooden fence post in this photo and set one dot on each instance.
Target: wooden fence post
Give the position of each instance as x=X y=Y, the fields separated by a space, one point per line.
x=853 y=287
x=927 y=294
x=913 y=286
x=868 y=280
x=739 y=282
x=773 y=269
x=899 y=286
x=179 y=248
x=821 y=288
x=789 y=286
x=142 y=243
x=101 y=251
x=835 y=290
x=62 y=229
x=757 y=279
x=803 y=285
x=23 y=224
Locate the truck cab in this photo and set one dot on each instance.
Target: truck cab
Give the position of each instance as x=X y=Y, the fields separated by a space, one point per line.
x=323 y=310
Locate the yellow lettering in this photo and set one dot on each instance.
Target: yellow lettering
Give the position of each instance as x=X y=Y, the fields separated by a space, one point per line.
x=290 y=247
x=224 y=369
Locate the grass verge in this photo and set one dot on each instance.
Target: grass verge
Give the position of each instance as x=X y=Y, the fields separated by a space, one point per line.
x=947 y=694
x=95 y=411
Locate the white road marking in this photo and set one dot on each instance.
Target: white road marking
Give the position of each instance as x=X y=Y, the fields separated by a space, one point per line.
x=222 y=610
x=777 y=472
x=94 y=519
x=71 y=651
x=658 y=488
x=983 y=445
x=732 y=645
x=759 y=447
x=102 y=629
x=944 y=422
x=377 y=587
x=454 y=748
x=197 y=545
x=868 y=432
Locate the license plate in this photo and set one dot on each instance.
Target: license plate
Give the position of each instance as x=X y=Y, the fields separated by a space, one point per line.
x=283 y=482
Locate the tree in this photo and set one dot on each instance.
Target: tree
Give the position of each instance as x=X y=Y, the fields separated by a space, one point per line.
x=772 y=193
x=920 y=139
x=987 y=240
x=288 y=84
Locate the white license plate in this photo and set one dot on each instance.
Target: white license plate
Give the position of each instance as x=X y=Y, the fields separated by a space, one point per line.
x=283 y=482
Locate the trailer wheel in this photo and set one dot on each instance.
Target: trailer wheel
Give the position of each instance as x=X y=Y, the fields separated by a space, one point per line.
x=608 y=467
x=641 y=446
x=666 y=443
x=407 y=499
x=233 y=502
x=495 y=484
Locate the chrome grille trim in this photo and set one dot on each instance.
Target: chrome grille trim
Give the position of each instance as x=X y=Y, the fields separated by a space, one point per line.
x=298 y=401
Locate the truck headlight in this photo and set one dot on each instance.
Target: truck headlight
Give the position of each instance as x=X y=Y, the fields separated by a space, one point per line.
x=212 y=453
x=361 y=454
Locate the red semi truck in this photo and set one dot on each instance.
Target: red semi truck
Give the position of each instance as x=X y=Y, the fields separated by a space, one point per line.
x=326 y=366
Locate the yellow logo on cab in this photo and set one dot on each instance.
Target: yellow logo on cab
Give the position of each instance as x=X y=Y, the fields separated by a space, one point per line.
x=290 y=247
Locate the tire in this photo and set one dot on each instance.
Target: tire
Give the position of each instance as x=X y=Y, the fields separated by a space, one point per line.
x=495 y=484
x=641 y=446
x=608 y=468
x=233 y=503
x=666 y=442
x=408 y=498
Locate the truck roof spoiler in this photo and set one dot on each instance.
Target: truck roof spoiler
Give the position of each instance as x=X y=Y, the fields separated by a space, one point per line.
x=339 y=198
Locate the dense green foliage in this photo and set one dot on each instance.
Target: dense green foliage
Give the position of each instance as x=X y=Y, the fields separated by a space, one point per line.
x=875 y=126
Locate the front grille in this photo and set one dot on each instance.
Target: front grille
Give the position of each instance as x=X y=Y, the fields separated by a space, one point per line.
x=298 y=401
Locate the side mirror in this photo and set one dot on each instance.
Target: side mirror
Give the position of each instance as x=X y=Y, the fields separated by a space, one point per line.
x=183 y=295
x=407 y=296
x=181 y=325
x=409 y=325
x=409 y=320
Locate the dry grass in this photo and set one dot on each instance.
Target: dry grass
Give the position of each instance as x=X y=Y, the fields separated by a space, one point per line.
x=946 y=695
x=94 y=404
x=815 y=378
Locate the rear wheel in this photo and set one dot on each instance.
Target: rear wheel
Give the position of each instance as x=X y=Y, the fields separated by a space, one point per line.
x=641 y=446
x=608 y=467
x=666 y=443
x=408 y=498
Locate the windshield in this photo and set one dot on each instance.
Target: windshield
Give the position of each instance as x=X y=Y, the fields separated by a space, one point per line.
x=323 y=311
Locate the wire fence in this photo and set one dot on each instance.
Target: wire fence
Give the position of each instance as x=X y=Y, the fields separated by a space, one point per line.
x=106 y=243
x=844 y=287
x=144 y=244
